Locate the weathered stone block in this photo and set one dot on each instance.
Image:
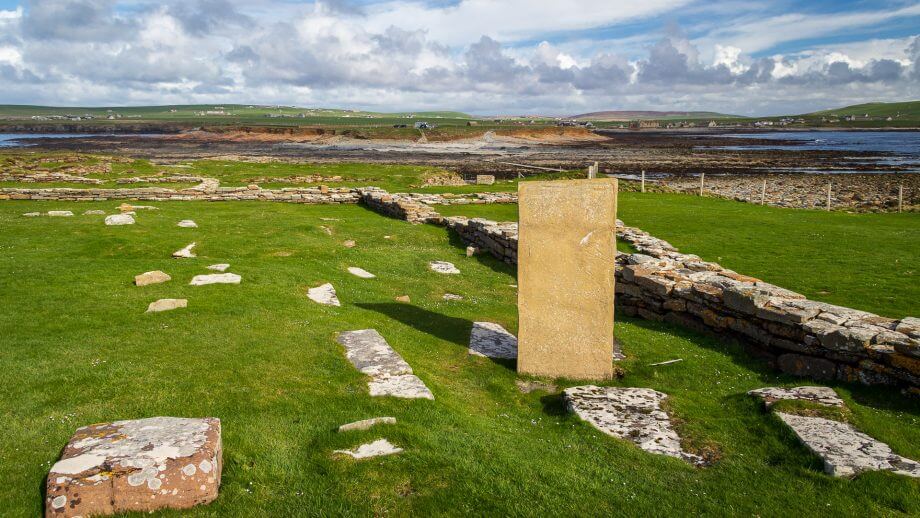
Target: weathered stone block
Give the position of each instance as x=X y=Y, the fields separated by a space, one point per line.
x=566 y=281
x=141 y=465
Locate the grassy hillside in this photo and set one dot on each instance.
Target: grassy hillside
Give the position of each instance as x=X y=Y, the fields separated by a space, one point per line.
x=906 y=110
x=78 y=349
x=627 y=115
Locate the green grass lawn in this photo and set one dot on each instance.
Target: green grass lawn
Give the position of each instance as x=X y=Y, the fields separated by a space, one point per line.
x=865 y=261
x=78 y=349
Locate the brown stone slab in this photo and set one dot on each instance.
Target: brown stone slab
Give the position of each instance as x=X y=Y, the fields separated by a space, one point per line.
x=566 y=252
x=139 y=465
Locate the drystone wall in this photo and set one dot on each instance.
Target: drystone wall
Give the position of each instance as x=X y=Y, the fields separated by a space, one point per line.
x=313 y=195
x=799 y=336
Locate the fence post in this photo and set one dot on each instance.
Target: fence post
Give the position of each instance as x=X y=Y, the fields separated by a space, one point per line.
x=828 y=196
x=702 y=182
x=763 y=192
x=643 y=180
x=591 y=173
x=900 y=198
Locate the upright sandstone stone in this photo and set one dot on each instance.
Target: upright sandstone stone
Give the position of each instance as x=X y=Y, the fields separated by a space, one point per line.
x=566 y=251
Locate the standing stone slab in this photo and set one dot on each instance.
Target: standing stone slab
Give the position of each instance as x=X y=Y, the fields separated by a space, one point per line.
x=492 y=341
x=390 y=375
x=629 y=413
x=845 y=451
x=141 y=465
x=566 y=252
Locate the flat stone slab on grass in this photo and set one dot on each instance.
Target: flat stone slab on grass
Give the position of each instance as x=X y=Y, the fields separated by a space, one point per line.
x=451 y=296
x=186 y=252
x=94 y=213
x=119 y=219
x=215 y=278
x=360 y=272
x=187 y=223
x=219 y=267
x=60 y=213
x=324 y=294
x=443 y=267
x=390 y=375
x=629 y=413
x=140 y=465
x=32 y=214
x=492 y=341
x=378 y=448
x=154 y=277
x=166 y=305
x=845 y=451
x=820 y=395
x=366 y=424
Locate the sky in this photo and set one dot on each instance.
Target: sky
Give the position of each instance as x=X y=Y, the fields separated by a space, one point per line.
x=550 y=57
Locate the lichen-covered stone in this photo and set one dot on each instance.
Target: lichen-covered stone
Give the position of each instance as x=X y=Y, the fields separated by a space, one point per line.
x=215 y=278
x=378 y=448
x=492 y=341
x=140 y=465
x=629 y=413
x=390 y=375
x=119 y=219
x=845 y=451
x=443 y=267
x=324 y=294
x=820 y=395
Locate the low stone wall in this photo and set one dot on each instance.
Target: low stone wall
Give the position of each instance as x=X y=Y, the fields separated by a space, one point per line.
x=799 y=336
x=317 y=195
x=498 y=239
x=399 y=206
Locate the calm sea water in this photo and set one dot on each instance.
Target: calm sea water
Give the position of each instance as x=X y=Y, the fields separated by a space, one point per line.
x=903 y=147
x=12 y=139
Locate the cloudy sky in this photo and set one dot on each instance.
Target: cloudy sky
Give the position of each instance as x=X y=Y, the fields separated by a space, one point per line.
x=482 y=56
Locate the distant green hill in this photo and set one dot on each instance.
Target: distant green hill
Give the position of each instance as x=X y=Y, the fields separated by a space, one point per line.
x=627 y=115
x=242 y=111
x=903 y=110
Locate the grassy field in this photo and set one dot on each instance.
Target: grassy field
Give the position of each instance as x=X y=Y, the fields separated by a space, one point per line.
x=865 y=261
x=78 y=349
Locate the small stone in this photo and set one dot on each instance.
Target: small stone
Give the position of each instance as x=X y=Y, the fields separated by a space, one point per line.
x=215 y=278
x=166 y=305
x=471 y=251
x=140 y=465
x=443 y=267
x=185 y=252
x=820 y=395
x=366 y=424
x=360 y=272
x=326 y=229
x=378 y=448
x=349 y=243
x=492 y=341
x=451 y=296
x=403 y=298
x=119 y=219
x=222 y=267
x=60 y=213
x=154 y=277
x=32 y=214
x=187 y=223
x=94 y=213
x=324 y=294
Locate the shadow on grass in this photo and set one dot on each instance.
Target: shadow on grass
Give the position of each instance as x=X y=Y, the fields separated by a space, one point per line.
x=451 y=329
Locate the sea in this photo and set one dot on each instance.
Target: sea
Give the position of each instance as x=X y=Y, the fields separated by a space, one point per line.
x=899 y=147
